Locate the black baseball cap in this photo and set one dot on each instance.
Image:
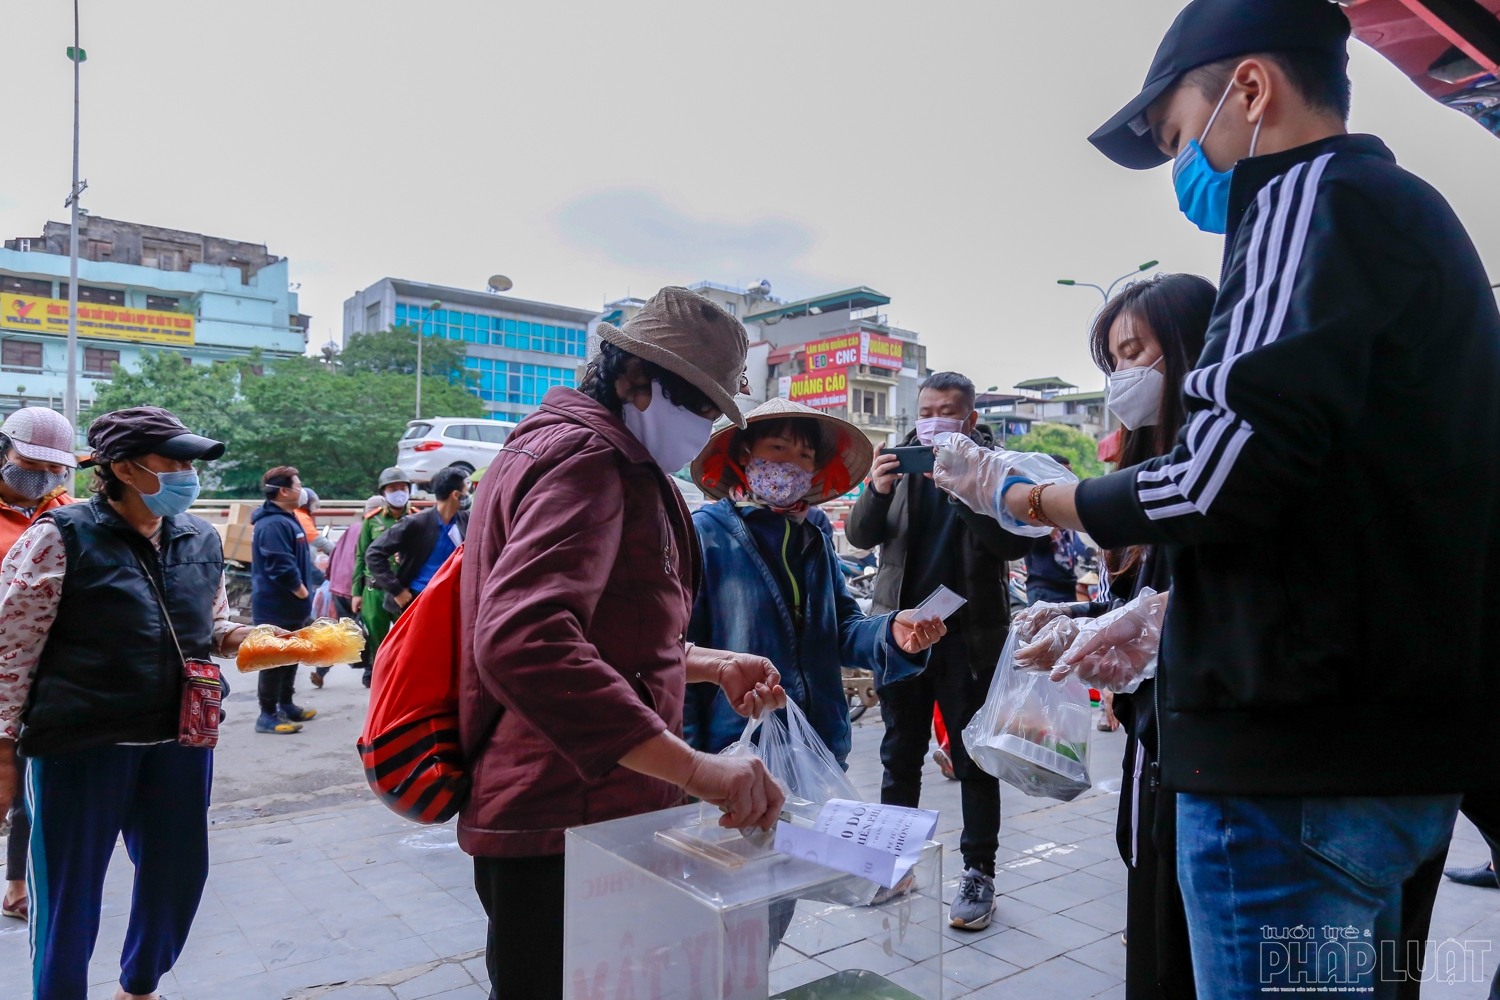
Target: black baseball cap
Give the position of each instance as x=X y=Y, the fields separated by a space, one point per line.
x=1207 y=31
x=147 y=430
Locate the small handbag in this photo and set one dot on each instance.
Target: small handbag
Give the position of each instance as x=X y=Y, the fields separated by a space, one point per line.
x=202 y=686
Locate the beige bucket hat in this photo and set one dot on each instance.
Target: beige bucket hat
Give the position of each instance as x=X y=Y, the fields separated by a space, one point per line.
x=717 y=471
x=690 y=336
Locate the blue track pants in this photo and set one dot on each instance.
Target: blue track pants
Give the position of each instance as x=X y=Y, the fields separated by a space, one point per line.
x=80 y=802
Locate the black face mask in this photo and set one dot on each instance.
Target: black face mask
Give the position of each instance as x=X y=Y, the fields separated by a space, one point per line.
x=465 y=502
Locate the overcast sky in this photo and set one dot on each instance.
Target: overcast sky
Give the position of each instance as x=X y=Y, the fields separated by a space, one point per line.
x=935 y=152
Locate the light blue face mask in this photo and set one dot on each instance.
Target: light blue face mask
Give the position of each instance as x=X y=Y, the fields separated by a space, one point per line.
x=1202 y=191
x=175 y=492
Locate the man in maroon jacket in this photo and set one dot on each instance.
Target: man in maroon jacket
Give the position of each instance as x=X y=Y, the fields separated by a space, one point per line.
x=577 y=588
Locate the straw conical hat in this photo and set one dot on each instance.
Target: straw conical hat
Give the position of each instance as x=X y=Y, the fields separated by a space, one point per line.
x=716 y=471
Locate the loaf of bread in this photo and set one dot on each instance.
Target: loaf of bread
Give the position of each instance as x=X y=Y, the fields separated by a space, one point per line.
x=322 y=644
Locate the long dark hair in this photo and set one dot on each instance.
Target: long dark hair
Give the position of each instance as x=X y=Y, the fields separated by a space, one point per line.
x=610 y=365
x=1175 y=309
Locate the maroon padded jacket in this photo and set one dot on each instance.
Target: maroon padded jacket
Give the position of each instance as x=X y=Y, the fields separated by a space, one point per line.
x=578 y=579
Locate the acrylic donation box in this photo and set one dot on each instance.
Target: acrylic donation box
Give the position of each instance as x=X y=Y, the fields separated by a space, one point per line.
x=666 y=906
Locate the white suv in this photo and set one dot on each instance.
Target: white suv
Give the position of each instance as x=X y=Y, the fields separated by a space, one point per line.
x=434 y=443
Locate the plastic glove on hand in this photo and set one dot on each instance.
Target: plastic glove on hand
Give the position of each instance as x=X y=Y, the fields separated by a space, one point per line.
x=1028 y=622
x=1118 y=651
x=1049 y=645
x=969 y=472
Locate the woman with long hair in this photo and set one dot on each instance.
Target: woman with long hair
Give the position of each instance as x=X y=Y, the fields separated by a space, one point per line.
x=1146 y=340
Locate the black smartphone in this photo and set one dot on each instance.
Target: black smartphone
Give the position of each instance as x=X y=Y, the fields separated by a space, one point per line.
x=917 y=458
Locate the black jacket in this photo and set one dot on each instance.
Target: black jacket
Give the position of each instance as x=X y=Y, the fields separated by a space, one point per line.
x=280 y=562
x=883 y=519
x=408 y=542
x=109 y=672
x=1348 y=397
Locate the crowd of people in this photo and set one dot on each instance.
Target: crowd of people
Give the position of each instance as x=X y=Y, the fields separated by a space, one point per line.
x=612 y=642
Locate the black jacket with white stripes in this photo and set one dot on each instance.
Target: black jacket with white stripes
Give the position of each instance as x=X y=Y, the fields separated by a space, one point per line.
x=1347 y=401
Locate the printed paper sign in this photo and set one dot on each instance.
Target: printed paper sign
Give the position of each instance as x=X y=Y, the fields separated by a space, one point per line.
x=878 y=842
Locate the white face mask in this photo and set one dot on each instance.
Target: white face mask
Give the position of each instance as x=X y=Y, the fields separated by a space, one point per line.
x=1135 y=395
x=398 y=498
x=672 y=434
x=930 y=427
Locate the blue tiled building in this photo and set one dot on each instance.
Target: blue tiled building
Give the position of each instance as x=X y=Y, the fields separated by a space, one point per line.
x=517 y=348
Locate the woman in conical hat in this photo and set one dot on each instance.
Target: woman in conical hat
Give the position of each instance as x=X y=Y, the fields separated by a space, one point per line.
x=771 y=583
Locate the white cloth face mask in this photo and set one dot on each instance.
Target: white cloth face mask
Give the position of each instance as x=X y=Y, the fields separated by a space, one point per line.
x=1134 y=395
x=672 y=434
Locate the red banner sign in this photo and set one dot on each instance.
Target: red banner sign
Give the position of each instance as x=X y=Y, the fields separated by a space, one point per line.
x=858 y=348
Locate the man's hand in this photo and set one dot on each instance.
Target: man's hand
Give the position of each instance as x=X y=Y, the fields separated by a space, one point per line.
x=234 y=639
x=300 y=592
x=741 y=786
x=751 y=683
x=883 y=474
x=356 y=602
x=914 y=636
x=8 y=790
x=404 y=598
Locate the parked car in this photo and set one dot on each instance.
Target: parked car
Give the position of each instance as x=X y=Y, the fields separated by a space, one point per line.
x=434 y=443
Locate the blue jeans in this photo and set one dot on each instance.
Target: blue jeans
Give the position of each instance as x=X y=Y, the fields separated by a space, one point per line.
x=1283 y=893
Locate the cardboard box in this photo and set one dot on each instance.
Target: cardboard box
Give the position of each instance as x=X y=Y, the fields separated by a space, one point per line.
x=237 y=541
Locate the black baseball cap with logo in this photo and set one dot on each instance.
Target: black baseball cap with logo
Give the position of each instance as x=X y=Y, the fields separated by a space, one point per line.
x=143 y=430
x=1207 y=31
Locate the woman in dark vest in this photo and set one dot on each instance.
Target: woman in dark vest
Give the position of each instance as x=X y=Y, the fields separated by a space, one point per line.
x=95 y=600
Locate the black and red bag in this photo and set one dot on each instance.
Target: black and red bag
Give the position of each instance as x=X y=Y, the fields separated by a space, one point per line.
x=409 y=747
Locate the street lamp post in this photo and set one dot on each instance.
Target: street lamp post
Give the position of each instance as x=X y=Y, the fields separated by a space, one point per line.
x=1106 y=293
x=70 y=394
x=431 y=309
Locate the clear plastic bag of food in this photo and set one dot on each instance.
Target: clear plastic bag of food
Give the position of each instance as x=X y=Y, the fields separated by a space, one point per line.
x=324 y=643
x=1033 y=732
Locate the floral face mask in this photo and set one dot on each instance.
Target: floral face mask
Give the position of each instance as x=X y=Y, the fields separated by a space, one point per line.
x=779 y=484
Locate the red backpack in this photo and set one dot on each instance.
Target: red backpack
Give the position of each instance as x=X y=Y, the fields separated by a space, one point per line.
x=410 y=748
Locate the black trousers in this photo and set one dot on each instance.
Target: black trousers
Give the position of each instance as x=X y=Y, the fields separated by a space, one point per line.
x=275 y=687
x=523 y=897
x=906 y=708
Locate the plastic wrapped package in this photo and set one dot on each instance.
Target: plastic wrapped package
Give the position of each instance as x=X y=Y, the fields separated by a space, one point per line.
x=1118 y=650
x=977 y=476
x=797 y=758
x=644 y=918
x=1033 y=732
x=324 y=643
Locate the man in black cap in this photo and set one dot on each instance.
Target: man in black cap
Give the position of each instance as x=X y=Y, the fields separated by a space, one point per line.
x=102 y=601
x=1348 y=395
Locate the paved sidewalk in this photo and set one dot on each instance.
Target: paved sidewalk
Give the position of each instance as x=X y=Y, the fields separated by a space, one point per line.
x=353 y=903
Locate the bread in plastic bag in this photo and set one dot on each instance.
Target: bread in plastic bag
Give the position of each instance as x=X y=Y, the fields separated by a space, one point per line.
x=977 y=476
x=1033 y=732
x=324 y=643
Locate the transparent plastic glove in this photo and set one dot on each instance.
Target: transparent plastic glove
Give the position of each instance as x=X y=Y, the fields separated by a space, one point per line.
x=1118 y=651
x=1048 y=646
x=975 y=475
x=1028 y=622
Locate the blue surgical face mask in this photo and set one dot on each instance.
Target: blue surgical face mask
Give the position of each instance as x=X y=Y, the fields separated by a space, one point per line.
x=1202 y=191
x=175 y=492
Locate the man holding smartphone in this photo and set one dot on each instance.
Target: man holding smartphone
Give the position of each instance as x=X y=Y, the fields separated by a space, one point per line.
x=929 y=541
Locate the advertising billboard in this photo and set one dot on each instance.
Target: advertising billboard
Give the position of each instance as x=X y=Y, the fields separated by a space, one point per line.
x=859 y=347
x=822 y=389
x=33 y=314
